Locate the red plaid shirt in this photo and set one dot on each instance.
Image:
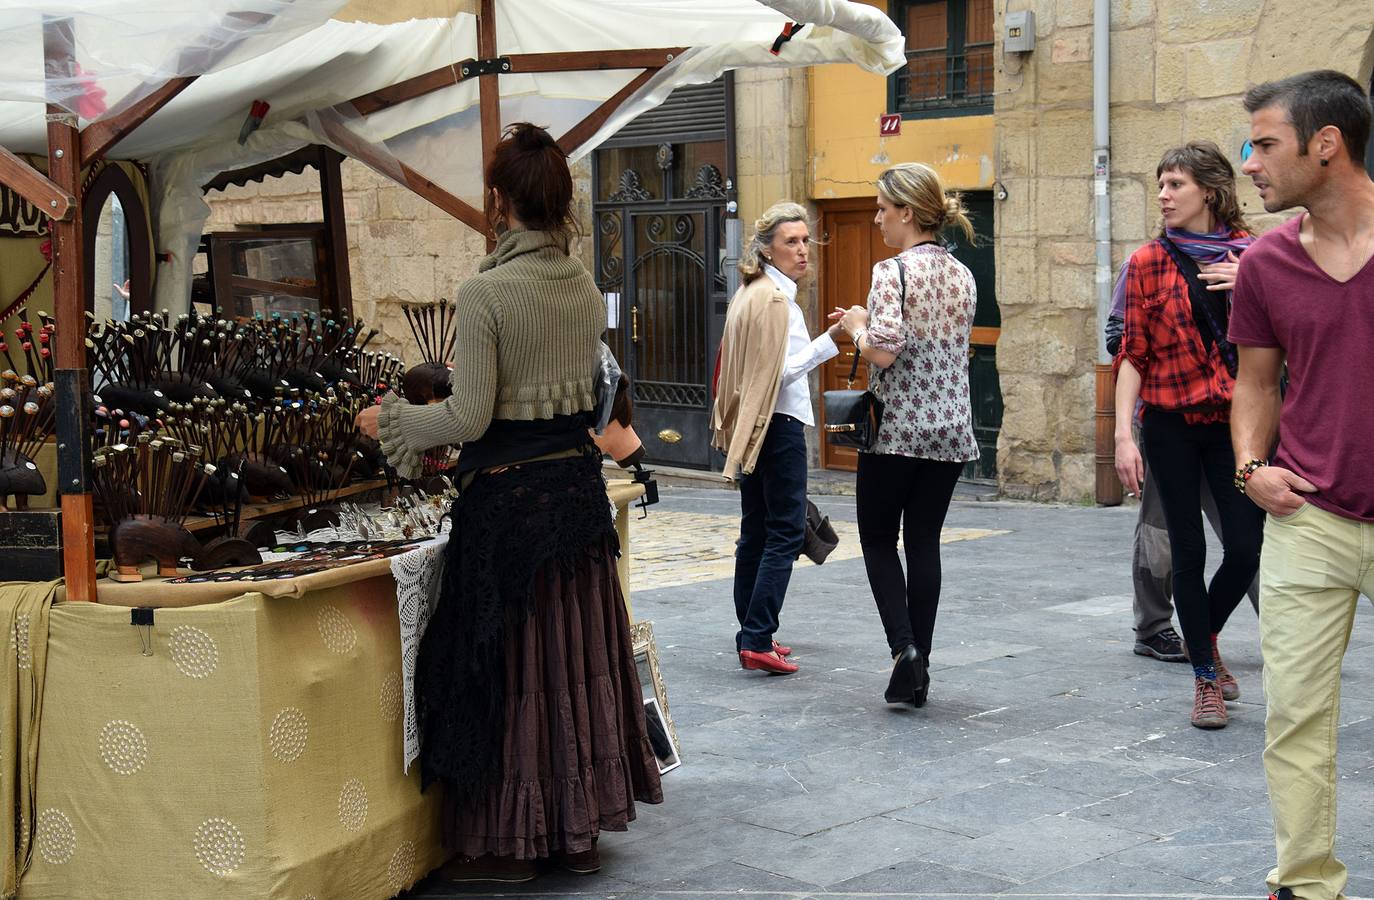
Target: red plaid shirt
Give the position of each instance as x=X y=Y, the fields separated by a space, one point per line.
x=1162 y=341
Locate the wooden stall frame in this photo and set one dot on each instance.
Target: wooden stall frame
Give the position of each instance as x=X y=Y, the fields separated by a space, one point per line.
x=58 y=196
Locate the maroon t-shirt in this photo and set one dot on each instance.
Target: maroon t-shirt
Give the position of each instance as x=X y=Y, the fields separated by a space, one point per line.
x=1326 y=329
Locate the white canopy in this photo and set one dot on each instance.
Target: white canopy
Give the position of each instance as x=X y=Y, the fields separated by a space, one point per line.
x=307 y=65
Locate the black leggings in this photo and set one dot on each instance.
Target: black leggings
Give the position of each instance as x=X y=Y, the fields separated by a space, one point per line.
x=1180 y=455
x=913 y=494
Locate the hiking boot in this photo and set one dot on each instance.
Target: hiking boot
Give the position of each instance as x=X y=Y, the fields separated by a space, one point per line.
x=1166 y=646
x=1230 y=688
x=1209 y=709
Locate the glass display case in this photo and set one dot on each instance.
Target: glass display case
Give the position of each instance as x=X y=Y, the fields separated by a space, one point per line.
x=258 y=273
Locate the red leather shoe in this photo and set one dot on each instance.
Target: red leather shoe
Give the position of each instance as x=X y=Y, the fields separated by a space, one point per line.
x=767 y=662
x=781 y=649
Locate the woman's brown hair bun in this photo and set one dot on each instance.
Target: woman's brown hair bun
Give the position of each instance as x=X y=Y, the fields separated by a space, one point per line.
x=531 y=173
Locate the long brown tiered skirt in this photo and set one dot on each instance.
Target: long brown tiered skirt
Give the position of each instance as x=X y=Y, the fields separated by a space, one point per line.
x=575 y=756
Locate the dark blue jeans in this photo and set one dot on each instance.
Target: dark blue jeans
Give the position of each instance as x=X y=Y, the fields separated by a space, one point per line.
x=773 y=526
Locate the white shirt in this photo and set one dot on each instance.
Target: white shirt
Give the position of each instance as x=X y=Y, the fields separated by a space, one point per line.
x=803 y=355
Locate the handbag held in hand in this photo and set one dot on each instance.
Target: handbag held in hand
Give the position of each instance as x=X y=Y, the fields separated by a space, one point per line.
x=852 y=417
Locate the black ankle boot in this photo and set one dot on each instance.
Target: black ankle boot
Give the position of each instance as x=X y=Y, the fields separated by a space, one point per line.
x=908 y=681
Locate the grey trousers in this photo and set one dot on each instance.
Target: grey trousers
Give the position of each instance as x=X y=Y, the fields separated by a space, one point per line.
x=1152 y=563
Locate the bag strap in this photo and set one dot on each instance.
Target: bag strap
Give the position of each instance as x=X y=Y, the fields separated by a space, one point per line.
x=1204 y=316
x=901 y=286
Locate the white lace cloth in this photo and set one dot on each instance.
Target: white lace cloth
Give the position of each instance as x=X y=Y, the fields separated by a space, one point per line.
x=417 y=593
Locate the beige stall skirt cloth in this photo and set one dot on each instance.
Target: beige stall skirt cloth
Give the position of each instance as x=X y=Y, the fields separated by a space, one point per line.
x=245 y=748
x=25 y=605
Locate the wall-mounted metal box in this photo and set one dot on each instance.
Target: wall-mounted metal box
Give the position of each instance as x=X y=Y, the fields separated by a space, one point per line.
x=1020 y=34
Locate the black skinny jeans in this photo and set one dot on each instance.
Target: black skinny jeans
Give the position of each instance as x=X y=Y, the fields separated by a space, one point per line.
x=1180 y=455
x=913 y=494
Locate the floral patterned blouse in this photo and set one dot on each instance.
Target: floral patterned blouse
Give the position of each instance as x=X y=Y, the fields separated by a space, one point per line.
x=926 y=389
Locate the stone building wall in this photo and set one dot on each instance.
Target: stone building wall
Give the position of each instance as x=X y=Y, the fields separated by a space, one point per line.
x=1178 y=68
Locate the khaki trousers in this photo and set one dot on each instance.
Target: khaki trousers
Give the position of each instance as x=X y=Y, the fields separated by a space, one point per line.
x=1313 y=568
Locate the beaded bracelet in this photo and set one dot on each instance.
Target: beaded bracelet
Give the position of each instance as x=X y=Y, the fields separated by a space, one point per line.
x=1242 y=477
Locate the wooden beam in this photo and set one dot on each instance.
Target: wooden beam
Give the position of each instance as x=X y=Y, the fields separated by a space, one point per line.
x=401 y=91
x=410 y=179
x=336 y=234
x=35 y=187
x=594 y=60
x=582 y=132
x=98 y=138
x=579 y=61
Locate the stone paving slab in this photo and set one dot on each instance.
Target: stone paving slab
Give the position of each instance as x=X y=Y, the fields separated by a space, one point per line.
x=1050 y=762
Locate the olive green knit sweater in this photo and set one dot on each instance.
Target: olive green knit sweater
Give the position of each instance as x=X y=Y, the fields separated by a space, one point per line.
x=527 y=330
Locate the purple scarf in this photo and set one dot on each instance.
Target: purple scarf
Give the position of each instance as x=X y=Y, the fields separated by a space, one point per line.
x=1210 y=247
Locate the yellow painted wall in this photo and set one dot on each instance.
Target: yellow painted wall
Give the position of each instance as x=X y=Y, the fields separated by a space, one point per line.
x=847 y=154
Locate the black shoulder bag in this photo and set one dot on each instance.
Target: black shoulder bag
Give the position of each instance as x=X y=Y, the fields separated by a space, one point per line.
x=852 y=417
x=1209 y=307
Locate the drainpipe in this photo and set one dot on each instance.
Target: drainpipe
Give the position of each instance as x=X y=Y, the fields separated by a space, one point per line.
x=1108 y=486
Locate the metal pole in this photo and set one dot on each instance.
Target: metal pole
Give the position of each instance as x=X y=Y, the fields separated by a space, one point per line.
x=1107 y=485
x=1102 y=218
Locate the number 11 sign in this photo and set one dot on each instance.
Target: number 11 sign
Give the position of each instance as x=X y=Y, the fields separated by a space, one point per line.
x=890 y=125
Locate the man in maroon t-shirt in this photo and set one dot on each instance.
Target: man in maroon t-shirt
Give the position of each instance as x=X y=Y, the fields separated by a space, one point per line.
x=1305 y=295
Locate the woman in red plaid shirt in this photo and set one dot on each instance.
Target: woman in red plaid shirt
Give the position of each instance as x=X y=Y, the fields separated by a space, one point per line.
x=1176 y=360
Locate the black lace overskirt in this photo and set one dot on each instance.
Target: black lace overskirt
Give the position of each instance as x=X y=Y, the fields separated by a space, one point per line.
x=505 y=526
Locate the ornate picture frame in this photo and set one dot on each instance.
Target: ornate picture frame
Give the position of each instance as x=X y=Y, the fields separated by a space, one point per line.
x=651 y=678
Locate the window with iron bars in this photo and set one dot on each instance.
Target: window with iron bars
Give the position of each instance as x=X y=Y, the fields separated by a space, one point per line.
x=949 y=58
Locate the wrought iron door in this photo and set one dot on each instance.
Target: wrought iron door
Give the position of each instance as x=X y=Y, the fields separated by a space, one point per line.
x=658 y=258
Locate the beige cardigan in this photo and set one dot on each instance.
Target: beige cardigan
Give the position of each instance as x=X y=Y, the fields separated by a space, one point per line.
x=752 y=352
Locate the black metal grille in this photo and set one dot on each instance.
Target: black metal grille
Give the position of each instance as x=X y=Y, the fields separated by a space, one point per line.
x=939 y=80
x=666 y=393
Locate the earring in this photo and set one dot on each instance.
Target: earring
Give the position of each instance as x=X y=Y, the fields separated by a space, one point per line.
x=1325 y=162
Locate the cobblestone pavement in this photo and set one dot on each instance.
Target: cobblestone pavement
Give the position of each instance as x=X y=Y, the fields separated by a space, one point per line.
x=1050 y=761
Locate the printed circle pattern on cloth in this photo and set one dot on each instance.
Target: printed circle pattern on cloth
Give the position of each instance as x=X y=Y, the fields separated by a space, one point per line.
x=56 y=836
x=353 y=805
x=219 y=846
x=401 y=869
x=194 y=652
x=390 y=699
x=19 y=641
x=338 y=633
x=288 y=734
x=123 y=748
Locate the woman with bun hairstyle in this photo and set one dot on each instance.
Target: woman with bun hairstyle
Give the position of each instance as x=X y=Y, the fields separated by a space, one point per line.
x=529 y=704
x=914 y=333
x=1175 y=358
x=763 y=403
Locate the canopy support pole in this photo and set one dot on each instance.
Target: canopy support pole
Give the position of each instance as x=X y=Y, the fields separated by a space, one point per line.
x=489 y=102
x=69 y=308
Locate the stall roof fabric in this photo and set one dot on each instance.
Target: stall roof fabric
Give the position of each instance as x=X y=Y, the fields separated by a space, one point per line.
x=307 y=64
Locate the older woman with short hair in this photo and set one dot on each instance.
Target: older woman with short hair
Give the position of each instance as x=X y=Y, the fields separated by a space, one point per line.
x=763 y=404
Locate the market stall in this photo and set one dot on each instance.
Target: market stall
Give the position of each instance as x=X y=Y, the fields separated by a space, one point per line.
x=222 y=736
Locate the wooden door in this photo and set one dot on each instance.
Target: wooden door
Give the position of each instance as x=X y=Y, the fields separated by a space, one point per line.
x=852 y=247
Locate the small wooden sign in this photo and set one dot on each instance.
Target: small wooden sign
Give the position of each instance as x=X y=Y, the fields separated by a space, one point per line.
x=890 y=125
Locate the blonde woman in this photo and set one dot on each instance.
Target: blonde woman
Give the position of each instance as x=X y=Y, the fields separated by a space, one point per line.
x=763 y=403
x=915 y=335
